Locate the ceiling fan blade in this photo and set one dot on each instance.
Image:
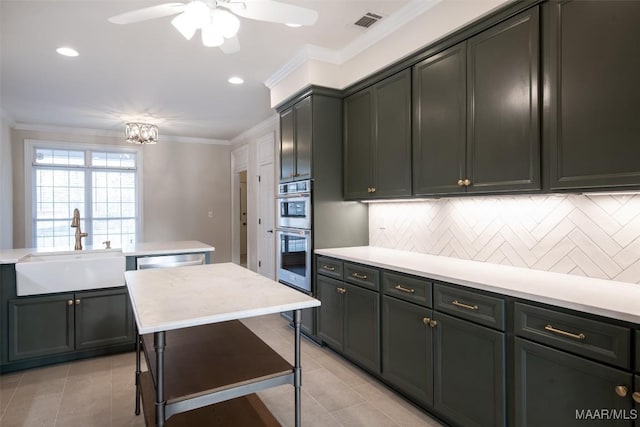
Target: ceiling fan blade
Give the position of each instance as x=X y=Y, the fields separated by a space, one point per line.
x=272 y=11
x=231 y=45
x=147 y=13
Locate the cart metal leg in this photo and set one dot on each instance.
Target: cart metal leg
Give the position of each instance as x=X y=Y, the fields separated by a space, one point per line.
x=297 y=371
x=137 y=371
x=158 y=345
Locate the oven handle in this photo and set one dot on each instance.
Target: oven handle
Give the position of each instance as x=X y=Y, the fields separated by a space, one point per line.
x=296 y=231
x=292 y=195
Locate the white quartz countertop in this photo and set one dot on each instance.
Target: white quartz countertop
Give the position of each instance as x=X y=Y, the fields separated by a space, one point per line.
x=173 y=298
x=617 y=300
x=12 y=256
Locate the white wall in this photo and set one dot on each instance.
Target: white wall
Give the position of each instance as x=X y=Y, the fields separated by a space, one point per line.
x=182 y=183
x=596 y=235
x=6 y=184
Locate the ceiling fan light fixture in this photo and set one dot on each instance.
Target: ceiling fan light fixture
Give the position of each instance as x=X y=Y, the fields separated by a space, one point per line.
x=212 y=36
x=292 y=25
x=184 y=26
x=198 y=13
x=228 y=23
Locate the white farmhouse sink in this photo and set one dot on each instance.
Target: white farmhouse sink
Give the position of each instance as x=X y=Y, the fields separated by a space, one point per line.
x=46 y=273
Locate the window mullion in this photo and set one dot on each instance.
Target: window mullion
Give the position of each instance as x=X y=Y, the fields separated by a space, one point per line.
x=88 y=193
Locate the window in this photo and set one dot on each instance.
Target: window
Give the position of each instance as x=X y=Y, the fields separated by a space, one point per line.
x=102 y=183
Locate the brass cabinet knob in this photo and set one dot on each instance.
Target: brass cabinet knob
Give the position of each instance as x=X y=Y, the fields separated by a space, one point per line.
x=368 y=189
x=78 y=302
x=621 y=390
x=426 y=320
x=460 y=182
x=373 y=189
x=433 y=323
x=70 y=302
x=341 y=290
x=636 y=397
x=466 y=182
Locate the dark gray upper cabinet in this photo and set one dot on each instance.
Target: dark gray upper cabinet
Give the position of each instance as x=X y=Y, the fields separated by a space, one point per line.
x=476 y=121
x=592 y=61
x=439 y=123
x=295 y=141
x=377 y=144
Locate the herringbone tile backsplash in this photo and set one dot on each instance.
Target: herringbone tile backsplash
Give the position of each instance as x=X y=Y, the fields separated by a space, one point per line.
x=589 y=235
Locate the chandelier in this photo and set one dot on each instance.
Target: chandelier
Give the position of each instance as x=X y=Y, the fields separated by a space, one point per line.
x=141 y=133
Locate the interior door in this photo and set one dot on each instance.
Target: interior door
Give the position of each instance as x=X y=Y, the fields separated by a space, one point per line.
x=266 y=206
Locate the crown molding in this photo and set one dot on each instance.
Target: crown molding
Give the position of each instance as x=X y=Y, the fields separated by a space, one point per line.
x=258 y=130
x=373 y=35
x=114 y=134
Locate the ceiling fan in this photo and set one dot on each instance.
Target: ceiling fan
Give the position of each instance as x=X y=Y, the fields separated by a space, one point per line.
x=217 y=20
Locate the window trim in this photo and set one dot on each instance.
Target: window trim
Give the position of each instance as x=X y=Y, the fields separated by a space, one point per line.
x=29 y=199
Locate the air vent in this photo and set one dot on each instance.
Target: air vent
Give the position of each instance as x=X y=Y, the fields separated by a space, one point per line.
x=368 y=20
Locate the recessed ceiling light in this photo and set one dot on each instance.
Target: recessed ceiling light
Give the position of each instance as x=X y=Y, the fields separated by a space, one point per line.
x=235 y=80
x=293 y=25
x=67 y=51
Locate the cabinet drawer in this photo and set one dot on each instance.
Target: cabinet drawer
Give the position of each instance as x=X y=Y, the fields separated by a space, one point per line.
x=329 y=267
x=408 y=288
x=479 y=308
x=363 y=276
x=597 y=340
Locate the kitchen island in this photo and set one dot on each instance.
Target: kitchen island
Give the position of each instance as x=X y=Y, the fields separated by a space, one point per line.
x=198 y=353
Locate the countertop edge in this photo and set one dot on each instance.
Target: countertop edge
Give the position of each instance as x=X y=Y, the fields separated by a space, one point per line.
x=553 y=293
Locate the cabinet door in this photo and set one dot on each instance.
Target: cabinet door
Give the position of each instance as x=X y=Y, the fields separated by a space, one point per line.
x=392 y=150
x=330 y=316
x=357 y=145
x=286 y=146
x=362 y=326
x=303 y=138
x=40 y=326
x=103 y=318
x=407 y=348
x=439 y=122
x=593 y=124
x=469 y=370
x=503 y=137
x=554 y=388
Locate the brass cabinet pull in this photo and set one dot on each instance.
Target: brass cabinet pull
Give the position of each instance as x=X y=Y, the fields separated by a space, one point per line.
x=368 y=189
x=433 y=323
x=360 y=276
x=70 y=302
x=78 y=302
x=328 y=267
x=466 y=182
x=621 y=390
x=579 y=336
x=373 y=189
x=460 y=183
x=467 y=306
x=426 y=320
x=636 y=396
x=341 y=290
x=403 y=289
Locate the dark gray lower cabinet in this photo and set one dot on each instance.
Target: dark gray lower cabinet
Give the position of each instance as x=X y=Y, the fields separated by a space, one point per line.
x=407 y=348
x=60 y=323
x=103 y=318
x=469 y=369
x=349 y=321
x=40 y=326
x=555 y=388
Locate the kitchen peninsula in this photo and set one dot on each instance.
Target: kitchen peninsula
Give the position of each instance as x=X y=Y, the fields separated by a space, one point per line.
x=70 y=304
x=197 y=351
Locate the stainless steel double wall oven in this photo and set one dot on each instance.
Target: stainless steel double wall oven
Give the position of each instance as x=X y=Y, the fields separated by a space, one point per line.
x=293 y=234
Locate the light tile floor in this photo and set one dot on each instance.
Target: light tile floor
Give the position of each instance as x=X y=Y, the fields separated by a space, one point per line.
x=100 y=392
